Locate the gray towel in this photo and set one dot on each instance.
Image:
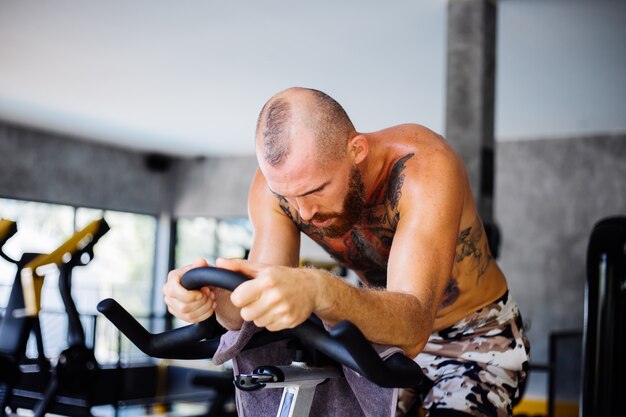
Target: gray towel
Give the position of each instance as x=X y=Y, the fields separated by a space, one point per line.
x=352 y=396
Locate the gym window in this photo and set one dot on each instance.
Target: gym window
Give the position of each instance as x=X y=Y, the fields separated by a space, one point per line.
x=122 y=268
x=210 y=238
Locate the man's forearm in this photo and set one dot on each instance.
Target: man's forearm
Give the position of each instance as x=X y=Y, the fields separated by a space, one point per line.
x=226 y=313
x=389 y=318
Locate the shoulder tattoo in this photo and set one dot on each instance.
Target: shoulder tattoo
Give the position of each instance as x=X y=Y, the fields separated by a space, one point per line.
x=383 y=209
x=396 y=180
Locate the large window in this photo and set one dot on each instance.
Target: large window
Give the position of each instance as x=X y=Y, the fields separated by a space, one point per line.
x=122 y=268
x=123 y=265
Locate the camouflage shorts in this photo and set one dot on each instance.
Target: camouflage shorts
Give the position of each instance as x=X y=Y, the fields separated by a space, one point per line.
x=478 y=365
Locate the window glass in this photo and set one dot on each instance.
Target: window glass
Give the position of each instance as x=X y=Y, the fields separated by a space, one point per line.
x=211 y=238
x=41 y=228
x=234 y=238
x=123 y=264
x=122 y=268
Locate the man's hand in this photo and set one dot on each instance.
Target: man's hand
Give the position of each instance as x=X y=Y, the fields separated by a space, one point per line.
x=191 y=306
x=277 y=297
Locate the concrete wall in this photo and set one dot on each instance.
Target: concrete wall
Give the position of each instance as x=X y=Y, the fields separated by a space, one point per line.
x=213 y=187
x=49 y=168
x=549 y=194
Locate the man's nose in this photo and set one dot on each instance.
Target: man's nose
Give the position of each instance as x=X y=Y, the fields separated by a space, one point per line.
x=306 y=209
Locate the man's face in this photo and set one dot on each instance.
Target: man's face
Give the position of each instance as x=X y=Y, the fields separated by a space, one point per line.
x=336 y=224
x=328 y=197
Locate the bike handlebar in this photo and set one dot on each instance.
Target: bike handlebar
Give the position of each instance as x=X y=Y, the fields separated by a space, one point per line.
x=343 y=343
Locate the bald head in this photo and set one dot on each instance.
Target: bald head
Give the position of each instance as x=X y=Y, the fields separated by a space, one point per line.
x=289 y=113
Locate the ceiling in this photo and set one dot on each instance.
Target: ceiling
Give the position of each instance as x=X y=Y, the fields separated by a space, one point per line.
x=189 y=78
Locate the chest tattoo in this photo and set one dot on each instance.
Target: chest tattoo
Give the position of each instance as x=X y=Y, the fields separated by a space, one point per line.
x=365 y=247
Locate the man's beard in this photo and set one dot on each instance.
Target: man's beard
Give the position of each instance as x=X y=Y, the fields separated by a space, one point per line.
x=352 y=209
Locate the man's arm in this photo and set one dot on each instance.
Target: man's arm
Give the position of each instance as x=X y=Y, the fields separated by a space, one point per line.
x=420 y=261
x=419 y=268
x=276 y=242
x=276 y=237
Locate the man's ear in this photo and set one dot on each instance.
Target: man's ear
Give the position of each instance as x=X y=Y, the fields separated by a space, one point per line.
x=358 y=147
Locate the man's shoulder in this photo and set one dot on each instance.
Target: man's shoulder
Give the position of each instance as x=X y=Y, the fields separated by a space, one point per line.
x=421 y=162
x=408 y=131
x=423 y=154
x=414 y=138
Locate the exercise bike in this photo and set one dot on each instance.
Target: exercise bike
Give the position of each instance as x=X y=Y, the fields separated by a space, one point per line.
x=343 y=345
x=74 y=382
x=15 y=327
x=35 y=385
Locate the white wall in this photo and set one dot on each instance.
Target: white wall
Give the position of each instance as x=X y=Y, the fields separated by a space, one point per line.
x=191 y=77
x=561 y=68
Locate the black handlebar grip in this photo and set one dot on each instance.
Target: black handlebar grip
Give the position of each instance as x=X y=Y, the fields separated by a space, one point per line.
x=344 y=342
x=182 y=343
x=163 y=344
x=185 y=342
x=347 y=345
x=396 y=371
x=214 y=277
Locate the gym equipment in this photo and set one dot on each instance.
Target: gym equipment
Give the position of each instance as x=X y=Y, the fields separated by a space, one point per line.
x=75 y=366
x=75 y=382
x=492 y=230
x=15 y=328
x=7 y=229
x=22 y=316
x=344 y=344
x=604 y=336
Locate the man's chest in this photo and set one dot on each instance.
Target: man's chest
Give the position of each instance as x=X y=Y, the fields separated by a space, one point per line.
x=364 y=249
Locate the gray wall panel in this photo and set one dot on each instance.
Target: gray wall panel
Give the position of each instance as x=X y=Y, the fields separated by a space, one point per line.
x=49 y=168
x=45 y=167
x=215 y=187
x=549 y=194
